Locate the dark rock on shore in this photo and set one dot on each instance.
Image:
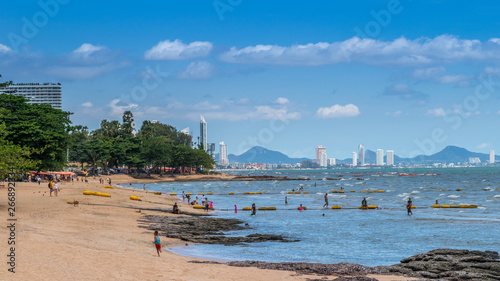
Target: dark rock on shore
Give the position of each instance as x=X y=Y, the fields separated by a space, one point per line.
x=441 y=264
x=343 y=268
x=205 y=230
x=449 y=264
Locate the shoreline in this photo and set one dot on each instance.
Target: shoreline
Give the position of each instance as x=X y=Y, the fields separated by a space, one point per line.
x=63 y=241
x=124 y=178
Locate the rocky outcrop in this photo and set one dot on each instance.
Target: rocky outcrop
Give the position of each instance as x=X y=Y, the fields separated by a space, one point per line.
x=449 y=264
x=206 y=230
x=343 y=268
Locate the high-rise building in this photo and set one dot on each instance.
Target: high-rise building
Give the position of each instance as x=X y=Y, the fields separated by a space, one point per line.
x=332 y=162
x=380 y=157
x=320 y=149
x=361 y=155
x=322 y=159
x=223 y=154
x=185 y=131
x=36 y=93
x=354 y=159
x=492 y=156
x=203 y=133
x=211 y=150
x=390 y=157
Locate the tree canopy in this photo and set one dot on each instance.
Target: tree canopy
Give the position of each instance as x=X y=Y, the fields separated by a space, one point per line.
x=37 y=136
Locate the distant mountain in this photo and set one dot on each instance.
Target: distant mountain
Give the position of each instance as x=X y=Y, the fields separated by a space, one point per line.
x=450 y=154
x=259 y=154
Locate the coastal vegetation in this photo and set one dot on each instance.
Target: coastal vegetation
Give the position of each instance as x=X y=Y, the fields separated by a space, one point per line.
x=39 y=137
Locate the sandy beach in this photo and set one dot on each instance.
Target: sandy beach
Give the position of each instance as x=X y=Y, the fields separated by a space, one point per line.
x=60 y=241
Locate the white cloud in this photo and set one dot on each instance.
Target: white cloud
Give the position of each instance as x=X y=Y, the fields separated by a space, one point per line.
x=230 y=110
x=483 y=145
x=338 y=111
x=197 y=70
x=282 y=100
x=83 y=72
x=87 y=104
x=117 y=109
x=176 y=50
x=5 y=49
x=400 y=51
x=436 y=74
x=87 y=49
x=470 y=113
x=428 y=73
x=204 y=105
x=268 y=112
x=437 y=112
x=396 y=113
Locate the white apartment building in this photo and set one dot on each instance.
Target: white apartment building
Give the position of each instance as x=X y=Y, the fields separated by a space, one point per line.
x=390 y=157
x=380 y=157
x=37 y=93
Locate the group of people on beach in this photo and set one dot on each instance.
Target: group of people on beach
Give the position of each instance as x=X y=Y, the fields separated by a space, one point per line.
x=204 y=201
x=54 y=187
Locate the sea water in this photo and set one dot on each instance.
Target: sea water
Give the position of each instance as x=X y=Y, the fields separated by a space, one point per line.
x=381 y=236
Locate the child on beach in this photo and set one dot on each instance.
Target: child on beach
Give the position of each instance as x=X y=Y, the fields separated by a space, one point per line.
x=157 y=243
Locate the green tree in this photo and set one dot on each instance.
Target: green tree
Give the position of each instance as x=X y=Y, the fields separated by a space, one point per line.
x=13 y=158
x=39 y=127
x=79 y=145
x=308 y=164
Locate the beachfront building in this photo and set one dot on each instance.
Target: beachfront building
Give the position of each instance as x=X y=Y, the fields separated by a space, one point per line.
x=390 y=157
x=223 y=154
x=492 y=156
x=361 y=155
x=354 y=159
x=203 y=133
x=319 y=149
x=380 y=157
x=322 y=159
x=331 y=162
x=37 y=93
x=211 y=150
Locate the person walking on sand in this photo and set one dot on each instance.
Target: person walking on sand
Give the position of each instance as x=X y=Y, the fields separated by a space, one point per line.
x=157 y=243
x=56 y=188
x=183 y=196
x=326 y=200
x=408 y=207
x=51 y=187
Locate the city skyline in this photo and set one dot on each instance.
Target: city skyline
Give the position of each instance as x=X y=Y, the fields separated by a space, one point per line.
x=339 y=71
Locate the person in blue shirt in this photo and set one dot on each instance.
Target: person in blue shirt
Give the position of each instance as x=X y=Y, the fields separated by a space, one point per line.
x=157 y=243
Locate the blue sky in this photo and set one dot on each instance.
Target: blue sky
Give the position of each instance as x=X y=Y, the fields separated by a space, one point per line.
x=411 y=76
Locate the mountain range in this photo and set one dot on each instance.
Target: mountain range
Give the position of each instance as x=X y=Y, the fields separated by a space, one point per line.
x=450 y=154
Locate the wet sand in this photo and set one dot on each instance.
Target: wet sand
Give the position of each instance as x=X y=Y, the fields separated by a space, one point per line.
x=100 y=239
